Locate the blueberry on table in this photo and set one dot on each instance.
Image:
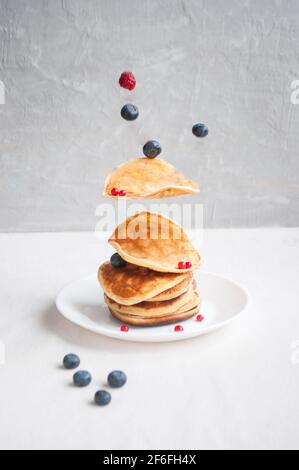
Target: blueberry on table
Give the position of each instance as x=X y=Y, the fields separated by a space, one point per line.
x=129 y=112
x=82 y=378
x=117 y=261
x=152 y=149
x=200 y=130
x=71 y=361
x=102 y=398
x=117 y=378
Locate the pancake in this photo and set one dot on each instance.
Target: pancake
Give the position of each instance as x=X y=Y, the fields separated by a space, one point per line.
x=186 y=301
x=149 y=178
x=154 y=241
x=132 y=284
x=154 y=321
x=175 y=291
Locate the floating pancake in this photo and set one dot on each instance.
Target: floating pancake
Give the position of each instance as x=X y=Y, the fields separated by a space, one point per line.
x=148 y=178
x=132 y=284
x=154 y=241
x=175 y=291
x=186 y=301
x=138 y=321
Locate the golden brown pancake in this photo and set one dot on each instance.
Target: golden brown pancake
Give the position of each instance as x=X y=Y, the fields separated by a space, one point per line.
x=132 y=284
x=154 y=241
x=154 y=321
x=148 y=178
x=186 y=301
x=174 y=291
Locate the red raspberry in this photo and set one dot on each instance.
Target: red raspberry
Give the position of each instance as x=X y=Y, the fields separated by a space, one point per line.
x=181 y=265
x=122 y=192
x=199 y=317
x=127 y=80
x=188 y=264
x=178 y=328
x=124 y=328
x=114 y=192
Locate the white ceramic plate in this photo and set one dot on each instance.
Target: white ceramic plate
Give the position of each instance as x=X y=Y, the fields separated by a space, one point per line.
x=82 y=303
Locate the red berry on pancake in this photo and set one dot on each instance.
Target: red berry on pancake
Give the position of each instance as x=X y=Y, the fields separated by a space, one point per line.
x=114 y=192
x=181 y=265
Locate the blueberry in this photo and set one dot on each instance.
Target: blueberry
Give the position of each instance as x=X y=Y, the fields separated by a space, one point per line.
x=117 y=378
x=200 y=130
x=129 y=112
x=152 y=149
x=71 y=361
x=117 y=261
x=82 y=378
x=102 y=397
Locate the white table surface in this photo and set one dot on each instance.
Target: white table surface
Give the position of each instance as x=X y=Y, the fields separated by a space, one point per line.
x=236 y=388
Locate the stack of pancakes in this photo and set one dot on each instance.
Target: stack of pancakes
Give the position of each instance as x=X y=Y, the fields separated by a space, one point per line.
x=149 y=288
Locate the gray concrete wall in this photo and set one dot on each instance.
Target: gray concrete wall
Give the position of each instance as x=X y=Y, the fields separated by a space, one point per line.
x=228 y=63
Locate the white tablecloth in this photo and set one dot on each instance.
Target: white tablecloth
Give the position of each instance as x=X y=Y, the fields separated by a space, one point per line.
x=236 y=388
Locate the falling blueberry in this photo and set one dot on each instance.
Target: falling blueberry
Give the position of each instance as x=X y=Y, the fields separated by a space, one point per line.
x=129 y=112
x=102 y=397
x=117 y=378
x=82 y=378
x=200 y=130
x=117 y=261
x=152 y=149
x=71 y=361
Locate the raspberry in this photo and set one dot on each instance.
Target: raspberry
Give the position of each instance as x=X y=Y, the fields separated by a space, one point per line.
x=122 y=192
x=127 y=80
x=188 y=265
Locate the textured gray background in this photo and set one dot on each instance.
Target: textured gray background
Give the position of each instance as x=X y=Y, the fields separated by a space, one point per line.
x=228 y=63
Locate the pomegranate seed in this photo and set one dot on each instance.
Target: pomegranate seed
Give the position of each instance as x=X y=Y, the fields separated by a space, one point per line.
x=178 y=328
x=182 y=265
x=124 y=328
x=122 y=192
x=199 y=317
x=114 y=192
x=188 y=264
